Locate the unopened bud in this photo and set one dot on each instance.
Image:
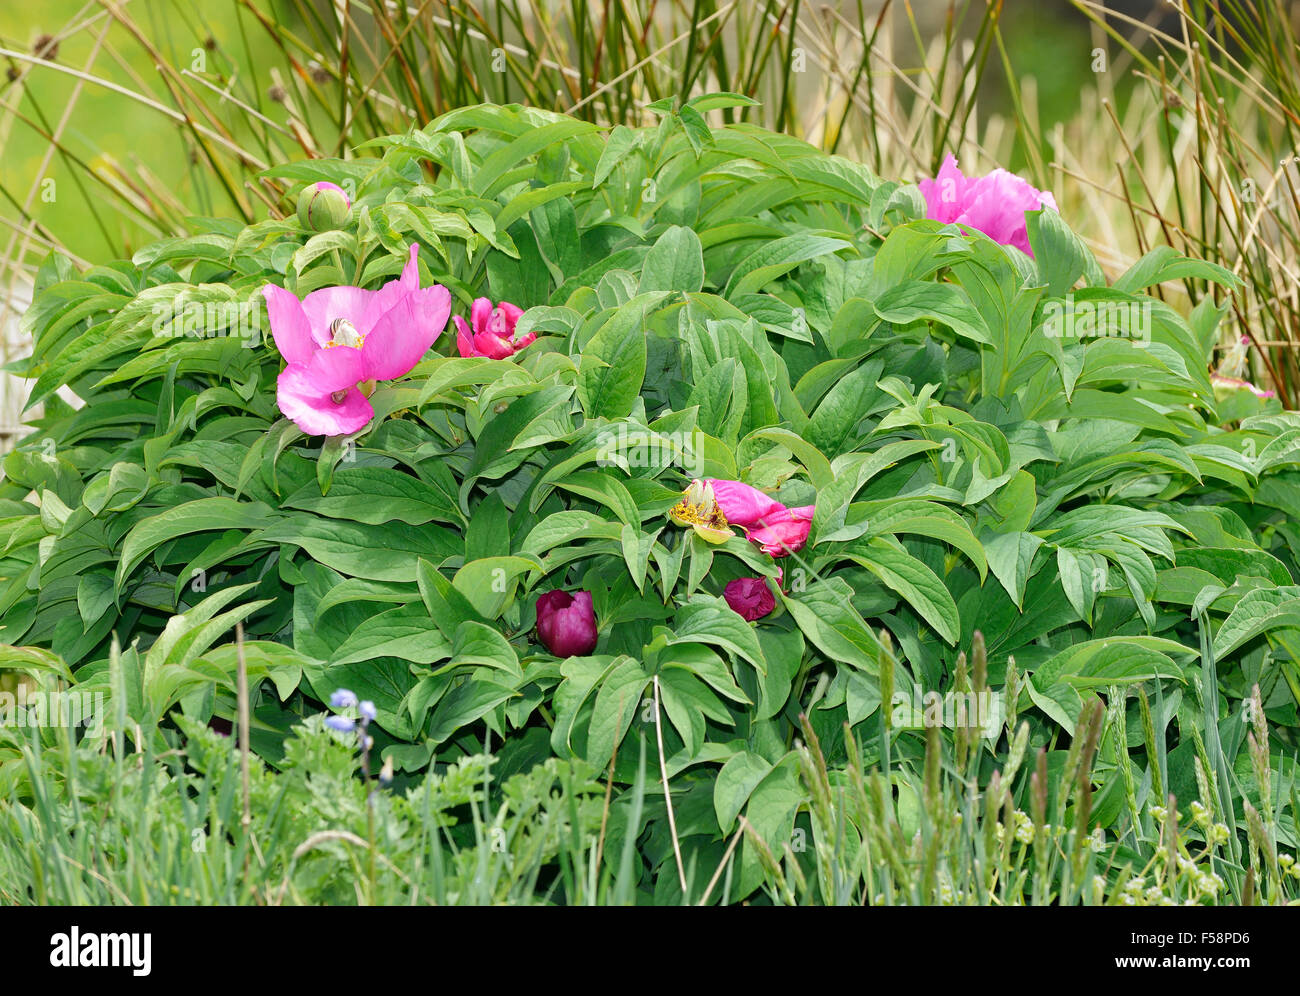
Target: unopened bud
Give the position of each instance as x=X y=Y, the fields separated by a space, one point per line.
x=323 y=206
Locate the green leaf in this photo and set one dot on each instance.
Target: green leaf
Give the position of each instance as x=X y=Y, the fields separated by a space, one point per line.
x=825 y=613
x=919 y=586
x=736 y=780
x=947 y=304
x=621 y=143
x=777 y=257
x=375 y=495
x=407 y=632
x=713 y=621
x=387 y=552
x=1259 y=611
x=196 y=516
x=617 y=703
x=613 y=365
x=494 y=453
x=489 y=584
x=606 y=490
x=1060 y=255
x=1010 y=556
x=674 y=263
x=464 y=704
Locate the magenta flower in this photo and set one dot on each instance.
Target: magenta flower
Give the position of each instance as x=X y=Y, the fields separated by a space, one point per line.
x=339 y=341
x=993 y=204
x=566 y=623
x=777 y=529
x=785 y=531
x=493 y=331
x=751 y=597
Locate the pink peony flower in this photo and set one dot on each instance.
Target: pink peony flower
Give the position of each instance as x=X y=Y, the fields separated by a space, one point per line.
x=339 y=340
x=785 y=531
x=751 y=597
x=566 y=623
x=993 y=204
x=493 y=331
x=777 y=529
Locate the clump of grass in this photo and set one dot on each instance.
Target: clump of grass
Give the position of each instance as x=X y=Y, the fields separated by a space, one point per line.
x=1007 y=840
x=1189 y=139
x=225 y=91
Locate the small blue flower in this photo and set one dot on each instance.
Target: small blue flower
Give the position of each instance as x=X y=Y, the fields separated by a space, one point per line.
x=341 y=723
x=368 y=711
x=343 y=699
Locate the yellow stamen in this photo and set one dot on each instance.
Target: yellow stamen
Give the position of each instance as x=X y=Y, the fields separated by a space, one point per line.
x=700 y=510
x=344 y=333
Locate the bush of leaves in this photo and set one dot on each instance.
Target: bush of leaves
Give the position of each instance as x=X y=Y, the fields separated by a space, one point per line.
x=1068 y=523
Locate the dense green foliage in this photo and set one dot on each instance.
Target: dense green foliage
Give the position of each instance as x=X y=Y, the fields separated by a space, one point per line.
x=728 y=303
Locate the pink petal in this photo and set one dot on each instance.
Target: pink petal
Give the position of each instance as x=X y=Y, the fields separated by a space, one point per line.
x=750 y=597
x=325 y=305
x=385 y=299
x=527 y=340
x=464 y=338
x=566 y=623
x=336 y=369
x=994 y=204
x=399 y=340
x=363 y=308
x=493 y=346
x=784 y=532
x=998 y=208
x=945 y=195
x=300 y=398
x=510 y=312
x=742 y=505
x=289 y=324
x=480 y=313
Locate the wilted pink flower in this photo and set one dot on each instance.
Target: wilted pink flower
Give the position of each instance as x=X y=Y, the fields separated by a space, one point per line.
x=493 y=331
x=751 y=597
x=339 y=341
x=785 y=531
x=566 y=623
x=993 y=204
x=777 y=529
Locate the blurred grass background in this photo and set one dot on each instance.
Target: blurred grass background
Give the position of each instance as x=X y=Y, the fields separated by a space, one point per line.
x=1152 y=123
x=114 y=150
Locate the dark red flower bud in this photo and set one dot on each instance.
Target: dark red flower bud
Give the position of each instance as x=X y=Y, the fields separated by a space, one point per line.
x=566 y=623
x=751 y=597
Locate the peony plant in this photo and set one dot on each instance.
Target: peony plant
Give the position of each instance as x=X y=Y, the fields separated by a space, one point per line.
x=795 y=455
